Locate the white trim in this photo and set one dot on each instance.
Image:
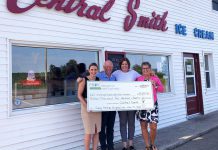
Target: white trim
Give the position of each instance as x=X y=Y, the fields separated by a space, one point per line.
x=101 y=58
x=8 y=47
x=46 y=108
x=67 y=46
x=147 y=52
x=211 y=69
x=184 y=83
x=172 y=88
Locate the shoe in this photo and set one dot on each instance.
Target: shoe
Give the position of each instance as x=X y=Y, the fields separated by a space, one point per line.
x=124 y=148
x=103 y=148
x=147 y=148
x=131 y=148
x=153 y=147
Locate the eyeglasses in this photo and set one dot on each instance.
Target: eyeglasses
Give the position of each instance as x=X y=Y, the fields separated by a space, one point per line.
x=145 y=68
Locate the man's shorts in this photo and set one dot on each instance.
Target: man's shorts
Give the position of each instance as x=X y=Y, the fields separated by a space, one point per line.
x=150 y=116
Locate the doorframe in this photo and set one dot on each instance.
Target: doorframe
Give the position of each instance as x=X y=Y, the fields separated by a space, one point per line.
x=198 y=83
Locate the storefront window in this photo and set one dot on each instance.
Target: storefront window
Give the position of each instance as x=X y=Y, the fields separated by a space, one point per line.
x=159 y=63
x=44 y=76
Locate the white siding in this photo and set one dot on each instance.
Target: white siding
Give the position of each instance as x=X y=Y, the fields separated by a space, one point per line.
x=173 y=106
x=62 y=128
x=210 y=99
x=3 y=79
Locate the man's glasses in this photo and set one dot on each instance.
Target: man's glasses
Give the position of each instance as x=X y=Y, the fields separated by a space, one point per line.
x=145 y=68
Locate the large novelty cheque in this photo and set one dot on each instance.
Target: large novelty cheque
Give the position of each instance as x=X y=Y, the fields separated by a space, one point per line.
x=119 y=96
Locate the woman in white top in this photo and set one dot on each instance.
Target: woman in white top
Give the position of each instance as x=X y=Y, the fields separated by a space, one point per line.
x=126 y=117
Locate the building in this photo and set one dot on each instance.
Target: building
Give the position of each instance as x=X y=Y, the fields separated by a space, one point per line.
x=42 y=42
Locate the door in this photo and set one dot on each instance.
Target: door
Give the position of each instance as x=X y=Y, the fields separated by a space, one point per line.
x=193 y=88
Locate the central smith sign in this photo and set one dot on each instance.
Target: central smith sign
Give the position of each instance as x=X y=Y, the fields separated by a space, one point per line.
x=82 y=9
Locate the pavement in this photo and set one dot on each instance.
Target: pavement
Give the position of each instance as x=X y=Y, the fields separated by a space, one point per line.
x=173 y=136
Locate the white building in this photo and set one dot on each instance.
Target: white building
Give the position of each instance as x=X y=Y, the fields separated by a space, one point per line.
x=38 y=106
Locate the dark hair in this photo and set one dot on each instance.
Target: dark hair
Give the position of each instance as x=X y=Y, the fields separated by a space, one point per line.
x=81 y=68
x=124 y=59
x=146 y=64
x=93 y=64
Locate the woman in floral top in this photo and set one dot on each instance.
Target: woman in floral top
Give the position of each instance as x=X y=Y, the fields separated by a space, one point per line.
x=149 y=116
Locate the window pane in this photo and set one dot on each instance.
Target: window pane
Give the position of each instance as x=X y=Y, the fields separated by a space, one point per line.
x=206 y=62
x=135 y=61
x=208 y=79
x=160 y=64
x=189 y=66
x=190 y=86
x=46 y=76
x=63 y=72
x=28 y=77
x=215 y=4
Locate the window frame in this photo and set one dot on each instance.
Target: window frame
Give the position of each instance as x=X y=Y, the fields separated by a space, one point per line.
x=46 y=108
x=210 y=70
x=169 y=55
x=190 y=76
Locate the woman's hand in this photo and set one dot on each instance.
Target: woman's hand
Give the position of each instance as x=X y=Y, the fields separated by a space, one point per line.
x=79 y=79
x=84 y=104
x=153 y=83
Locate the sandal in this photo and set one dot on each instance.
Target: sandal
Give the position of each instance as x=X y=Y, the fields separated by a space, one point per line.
x=147 y=148
x=153 y=147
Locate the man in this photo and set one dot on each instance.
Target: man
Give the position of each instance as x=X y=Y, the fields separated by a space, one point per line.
x=108 y=117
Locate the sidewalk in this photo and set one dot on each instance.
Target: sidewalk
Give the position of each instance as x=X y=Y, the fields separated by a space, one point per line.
x=173 y=136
